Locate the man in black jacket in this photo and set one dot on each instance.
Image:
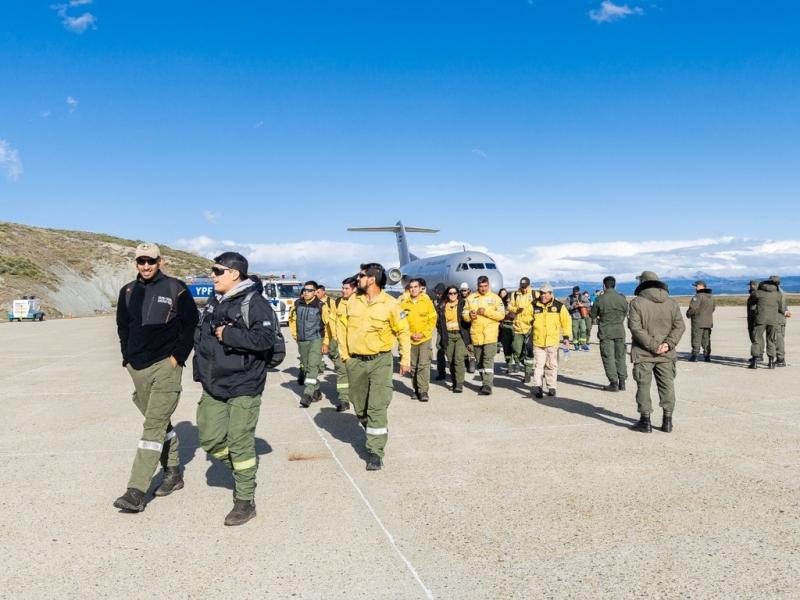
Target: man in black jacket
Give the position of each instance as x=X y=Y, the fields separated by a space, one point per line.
x=236 y=330
x=156 y=317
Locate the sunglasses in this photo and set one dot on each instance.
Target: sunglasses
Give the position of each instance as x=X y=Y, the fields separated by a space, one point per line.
x=219 y=271
x=452 y=293
x=146 y=260
x=312 y=290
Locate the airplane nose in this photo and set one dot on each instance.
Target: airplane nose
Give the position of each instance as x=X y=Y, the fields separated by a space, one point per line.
x=495 y=280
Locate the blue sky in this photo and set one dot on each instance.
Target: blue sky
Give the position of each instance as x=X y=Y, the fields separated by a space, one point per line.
x=565 y=137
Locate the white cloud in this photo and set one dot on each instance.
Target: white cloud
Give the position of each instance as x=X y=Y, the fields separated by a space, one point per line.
x=609 y=12
x=72 y=103
x=9 y=161
x=331 y=261
x=211 y=217
x=479 y=152
x=75 y=24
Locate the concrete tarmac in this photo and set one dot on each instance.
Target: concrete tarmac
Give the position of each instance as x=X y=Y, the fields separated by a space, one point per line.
x=480 y=497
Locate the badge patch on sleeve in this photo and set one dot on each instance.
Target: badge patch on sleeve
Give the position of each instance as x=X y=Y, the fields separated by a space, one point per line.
x=403 y=314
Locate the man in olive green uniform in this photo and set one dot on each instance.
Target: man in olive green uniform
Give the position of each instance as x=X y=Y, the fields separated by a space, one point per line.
x=701 y=313
x=368 y=328
x=656 y=326
x=780 y=332
x=751 y=312
x=342 y=383
x=609 y=310
x=767 y=306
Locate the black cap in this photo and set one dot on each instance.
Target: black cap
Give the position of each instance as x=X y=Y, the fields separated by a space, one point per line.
x=233 y=260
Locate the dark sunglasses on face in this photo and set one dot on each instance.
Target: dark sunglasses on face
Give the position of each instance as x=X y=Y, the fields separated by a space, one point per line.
x=218 y=271
x=452 y=293
x=309 y=290
x=146 y=260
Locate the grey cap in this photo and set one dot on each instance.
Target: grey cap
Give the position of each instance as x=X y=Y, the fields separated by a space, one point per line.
x=464 y=285
x=699 y=282
x=647 y=276
x=775 y=279
x=546 y=287
x=148 y=250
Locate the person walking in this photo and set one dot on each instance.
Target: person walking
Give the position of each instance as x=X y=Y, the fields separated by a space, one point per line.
x=156 y=317
x=368 y=328
x=237 y=329
x=656 y=327
x=767 y=306
x=483 y=310
x=506 y=331
x=780 y=331
x=441 y=359
x=577 y=312
x=701 y=314
x=453 y=330
x=421 y=315
x=521 y=307
x=587 y=319
x=308 y=324
x=469 y=361
x=342 y=382
x=609 y=310
x=552 y=326
x=752 y=301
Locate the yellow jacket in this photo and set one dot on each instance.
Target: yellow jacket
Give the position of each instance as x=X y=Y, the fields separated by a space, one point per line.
x=484 y=329
x=331 y=324
x=326 y=320
x=421 y=315
x=371 y=327
x=524 y=319
x=551 y=323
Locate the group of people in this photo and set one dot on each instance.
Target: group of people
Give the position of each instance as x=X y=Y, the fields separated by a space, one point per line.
x=236 y=331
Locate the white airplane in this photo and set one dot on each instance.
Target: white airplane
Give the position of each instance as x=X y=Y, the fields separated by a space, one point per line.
x=447 y=269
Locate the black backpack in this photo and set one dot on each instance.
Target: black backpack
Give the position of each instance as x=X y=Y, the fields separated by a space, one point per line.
x=275 y=355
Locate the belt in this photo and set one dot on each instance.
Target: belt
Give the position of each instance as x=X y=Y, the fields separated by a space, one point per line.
x=369 y=356
x=452 y=331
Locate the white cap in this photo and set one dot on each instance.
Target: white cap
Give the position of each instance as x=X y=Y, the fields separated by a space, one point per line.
x=147 y=249
x=546 y=287
x=464 y=285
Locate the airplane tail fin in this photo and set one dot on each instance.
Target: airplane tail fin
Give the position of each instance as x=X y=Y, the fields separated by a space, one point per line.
x=400 y=231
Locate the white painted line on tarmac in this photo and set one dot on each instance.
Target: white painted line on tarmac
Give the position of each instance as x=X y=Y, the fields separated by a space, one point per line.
x=386 y=532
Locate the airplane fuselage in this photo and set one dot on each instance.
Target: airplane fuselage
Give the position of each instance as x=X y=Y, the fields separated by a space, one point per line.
x=454 y=269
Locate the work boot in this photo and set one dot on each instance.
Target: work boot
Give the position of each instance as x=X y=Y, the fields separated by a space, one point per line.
x=306 y=400
x=693 y=358
x=707 y=358
x=643 y=424
x=485 y=391
x=771 y=363
x=343 y=406
x=301 y=378
x=752 y=364
x=666 y=423
x=781 y=362
x=131 y=501
x=423 y=397
x=612 y=387
x=241 y=513
x=172 y=481
x=441 y=377
x=472 y=364
x=374 y=462
x=458 y=388
x=507 y=370
x=621 y=385
x=537 y=391
x=316 y=396
x=526 y=378
x=551 y=392
x=585 y=347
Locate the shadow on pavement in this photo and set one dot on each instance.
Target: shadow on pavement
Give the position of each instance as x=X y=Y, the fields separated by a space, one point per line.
x=585 y=409
x=580 y=382
x=343 y=427
x=728 y=361
x=219 y=475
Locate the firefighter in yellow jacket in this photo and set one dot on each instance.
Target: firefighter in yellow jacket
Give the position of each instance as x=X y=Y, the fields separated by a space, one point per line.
x=521 y=305
x=421 y=316
x=368 y=327
x=551 y=325
x=308 y=324
x=484 y=310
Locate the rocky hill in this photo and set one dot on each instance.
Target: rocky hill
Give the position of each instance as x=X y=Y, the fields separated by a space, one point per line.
x=74 y=272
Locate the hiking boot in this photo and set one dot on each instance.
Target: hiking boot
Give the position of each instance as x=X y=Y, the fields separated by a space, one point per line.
x=585 y=347
x=612 y=387
x=485 y=391
x=306 y=400
x=527 y=378
x=458 y=388
x=423 y=397
x=551 y=392
x=537 y=391
x=241 y=513
x=771 y=363
x=707 y=358
x=171 y=482
x=643 y=424
x=621 y=385
x=666 y=423
x=316 y=396
x=693 y=358
x=752 y=364
x=441 y=377
x=781 y=362
x=343 y=406
x=301 y=378
x=374 y=462
x=131 y=501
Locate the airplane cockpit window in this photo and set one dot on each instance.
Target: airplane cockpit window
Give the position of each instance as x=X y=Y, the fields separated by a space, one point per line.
x=462 y=267
x=477 y=266
x=491 y=266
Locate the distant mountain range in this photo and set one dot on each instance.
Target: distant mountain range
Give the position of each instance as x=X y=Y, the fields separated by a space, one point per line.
x=684 y=287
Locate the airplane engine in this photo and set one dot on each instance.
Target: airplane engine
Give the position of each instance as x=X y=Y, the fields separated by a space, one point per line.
x=394 y=275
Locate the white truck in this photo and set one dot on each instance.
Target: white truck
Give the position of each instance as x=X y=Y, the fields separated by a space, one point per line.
x=282 y=294
x=26 y=309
